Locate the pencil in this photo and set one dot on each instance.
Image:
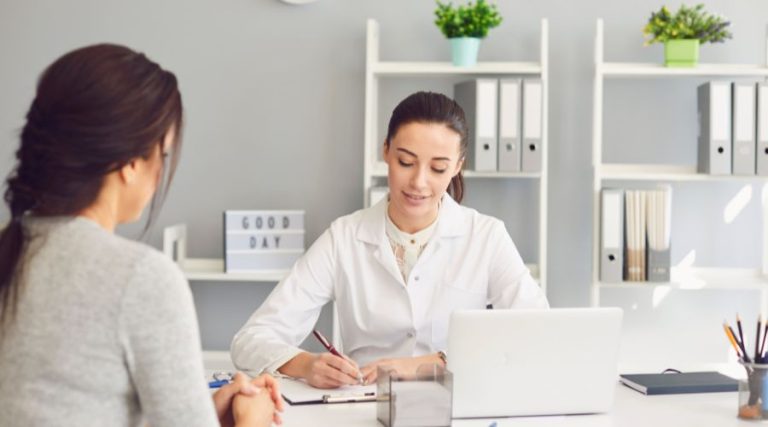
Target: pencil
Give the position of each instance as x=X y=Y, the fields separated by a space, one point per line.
x=757 y=340
x=741 y=339
x=765 y=337
x=729 y=334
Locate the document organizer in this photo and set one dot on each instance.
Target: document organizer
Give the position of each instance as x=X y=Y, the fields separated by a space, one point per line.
x=423 y=399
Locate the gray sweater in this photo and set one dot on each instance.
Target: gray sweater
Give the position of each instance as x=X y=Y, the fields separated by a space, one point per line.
x=105 y=335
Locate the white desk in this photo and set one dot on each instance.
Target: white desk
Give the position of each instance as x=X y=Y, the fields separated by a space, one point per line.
x=631 y=409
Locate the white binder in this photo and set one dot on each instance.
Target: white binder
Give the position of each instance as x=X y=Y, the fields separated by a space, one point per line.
x=743 y=108
x=509 y=125
x=762 y=129
x=478 y=98
x=612 y=236
x=532 y=117
x=714 y=108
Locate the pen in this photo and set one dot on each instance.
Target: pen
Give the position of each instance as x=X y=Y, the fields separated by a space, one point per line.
x=217 y=383
x=331 y=349
x=367 y=397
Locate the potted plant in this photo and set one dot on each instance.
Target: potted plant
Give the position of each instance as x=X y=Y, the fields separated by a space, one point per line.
x=465 y=26
x=683 y=32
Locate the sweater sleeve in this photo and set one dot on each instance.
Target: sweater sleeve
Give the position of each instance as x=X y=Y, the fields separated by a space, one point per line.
x=161 y=343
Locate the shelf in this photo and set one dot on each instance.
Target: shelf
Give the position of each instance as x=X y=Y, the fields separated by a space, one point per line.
x=660 y=172
x=447 y=68
x=211 y=269
x=703 y=278
x=629 y=69
x=380 y=171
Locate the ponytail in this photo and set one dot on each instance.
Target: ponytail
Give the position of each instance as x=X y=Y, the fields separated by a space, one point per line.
x=12 y=243
x=456 y=187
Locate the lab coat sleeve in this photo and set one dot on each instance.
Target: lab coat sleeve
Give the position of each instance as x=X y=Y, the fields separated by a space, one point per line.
x=510 y=282
x=271 y=336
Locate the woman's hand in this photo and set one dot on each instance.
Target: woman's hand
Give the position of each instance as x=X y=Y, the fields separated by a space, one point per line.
x=267 y=383
x=223 y=398
x=403 y=365
x=323 y=370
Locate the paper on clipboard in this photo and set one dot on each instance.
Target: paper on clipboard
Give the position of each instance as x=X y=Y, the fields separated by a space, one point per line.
x=298 y=392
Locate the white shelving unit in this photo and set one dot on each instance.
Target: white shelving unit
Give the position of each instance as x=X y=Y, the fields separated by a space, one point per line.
x=208 y=269
x=374 y=170
x=682 y=278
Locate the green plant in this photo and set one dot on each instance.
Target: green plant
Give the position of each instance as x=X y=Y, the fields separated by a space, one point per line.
x=686 y=23
x=470 y=20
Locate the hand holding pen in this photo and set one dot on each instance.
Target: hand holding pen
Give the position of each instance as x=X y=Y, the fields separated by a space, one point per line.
x=332 y=369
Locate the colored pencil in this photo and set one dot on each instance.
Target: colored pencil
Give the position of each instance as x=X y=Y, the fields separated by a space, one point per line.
x=729 y=334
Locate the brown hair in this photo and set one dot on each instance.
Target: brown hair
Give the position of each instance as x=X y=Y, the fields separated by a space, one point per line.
x=96 y=109
x=430 y=107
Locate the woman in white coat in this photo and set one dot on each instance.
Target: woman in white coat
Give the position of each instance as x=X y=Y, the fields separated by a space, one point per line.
x=395 y=270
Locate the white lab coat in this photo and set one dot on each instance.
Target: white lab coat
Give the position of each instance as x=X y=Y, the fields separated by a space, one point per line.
x=469 y=262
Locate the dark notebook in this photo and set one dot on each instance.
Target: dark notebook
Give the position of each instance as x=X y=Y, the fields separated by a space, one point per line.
x=685 y=382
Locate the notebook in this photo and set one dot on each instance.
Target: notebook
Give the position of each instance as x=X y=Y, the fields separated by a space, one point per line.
x=685 y=382
x=533 y=362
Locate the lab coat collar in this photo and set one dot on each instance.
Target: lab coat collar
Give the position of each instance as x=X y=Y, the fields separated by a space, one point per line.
x=451 y=221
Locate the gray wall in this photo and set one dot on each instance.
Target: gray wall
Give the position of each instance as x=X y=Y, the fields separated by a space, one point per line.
x=274 y=98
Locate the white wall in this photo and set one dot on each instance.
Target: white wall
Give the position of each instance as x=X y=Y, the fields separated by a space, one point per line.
x=274 y=101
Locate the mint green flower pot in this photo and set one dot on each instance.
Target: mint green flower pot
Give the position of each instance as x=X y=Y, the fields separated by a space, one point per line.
x=464 y=51
x=681 y=53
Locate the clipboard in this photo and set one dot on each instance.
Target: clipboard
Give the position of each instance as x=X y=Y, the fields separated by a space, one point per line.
x=298 y=392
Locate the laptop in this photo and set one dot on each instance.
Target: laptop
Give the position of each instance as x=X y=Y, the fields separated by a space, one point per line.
x=533 y=362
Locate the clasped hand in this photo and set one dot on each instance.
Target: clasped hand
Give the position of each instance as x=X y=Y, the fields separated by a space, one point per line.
x=249 y=403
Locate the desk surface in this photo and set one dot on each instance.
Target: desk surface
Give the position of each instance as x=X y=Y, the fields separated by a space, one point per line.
x=631 y=409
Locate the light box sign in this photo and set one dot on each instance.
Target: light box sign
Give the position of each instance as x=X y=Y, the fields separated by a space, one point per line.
x=262 y=240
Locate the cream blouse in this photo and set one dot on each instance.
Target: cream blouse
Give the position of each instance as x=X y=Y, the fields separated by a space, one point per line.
x=407 y=247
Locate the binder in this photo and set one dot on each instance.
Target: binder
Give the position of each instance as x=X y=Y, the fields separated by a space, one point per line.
x=659 y=235
x=762 y=129
x=634 y=207
x=509 y=125
x=478 y=98
x=714 y=108
x=532 y=118
x=612 y=235
x=743 y=136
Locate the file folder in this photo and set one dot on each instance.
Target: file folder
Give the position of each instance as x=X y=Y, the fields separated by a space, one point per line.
x=509 y=125
x=762 y=129
x=612 y=236
x=478 y=98
x=532 y=117
x=743 y=107
x=659 y=204
x=714 y=108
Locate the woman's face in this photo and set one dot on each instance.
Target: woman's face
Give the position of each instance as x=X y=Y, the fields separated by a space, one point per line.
x=147 y=177
x=422 y=159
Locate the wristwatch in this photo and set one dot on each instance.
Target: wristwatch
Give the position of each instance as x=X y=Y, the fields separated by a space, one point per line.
x=444 y=357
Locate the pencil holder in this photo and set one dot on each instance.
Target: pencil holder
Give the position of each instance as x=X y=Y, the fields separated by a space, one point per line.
x=753 y=404
x=421 y=399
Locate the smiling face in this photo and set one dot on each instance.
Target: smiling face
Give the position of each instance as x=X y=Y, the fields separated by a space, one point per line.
x=422 y=159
